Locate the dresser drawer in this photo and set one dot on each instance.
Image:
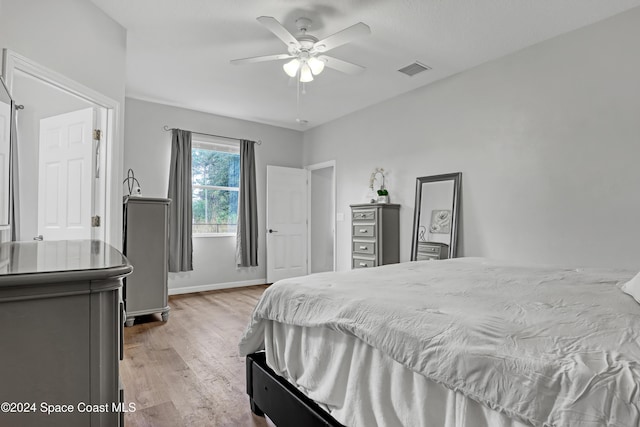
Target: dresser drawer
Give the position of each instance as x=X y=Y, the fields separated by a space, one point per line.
x=364 y=247
x=361 y=230
x=357 y=215
x=428 y=249
x=363 y=263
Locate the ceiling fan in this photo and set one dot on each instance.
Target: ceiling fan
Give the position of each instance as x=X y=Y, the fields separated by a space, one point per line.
x=306 y=51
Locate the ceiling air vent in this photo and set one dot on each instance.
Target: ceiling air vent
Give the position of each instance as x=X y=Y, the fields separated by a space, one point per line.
x=413 y=69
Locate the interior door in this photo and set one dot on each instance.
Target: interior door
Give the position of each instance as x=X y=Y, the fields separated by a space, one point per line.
x=66 y=175
x=286 y=223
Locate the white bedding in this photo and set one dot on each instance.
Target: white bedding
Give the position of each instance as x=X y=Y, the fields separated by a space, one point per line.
x=545 y=346
x=362 y=387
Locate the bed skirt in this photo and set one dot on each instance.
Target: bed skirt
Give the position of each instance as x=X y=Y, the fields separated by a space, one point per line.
x=355 y=385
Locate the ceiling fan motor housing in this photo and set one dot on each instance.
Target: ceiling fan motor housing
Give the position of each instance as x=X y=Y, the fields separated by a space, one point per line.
x=303 y=24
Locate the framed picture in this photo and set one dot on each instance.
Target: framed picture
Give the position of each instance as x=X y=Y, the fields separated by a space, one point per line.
x=440 y=221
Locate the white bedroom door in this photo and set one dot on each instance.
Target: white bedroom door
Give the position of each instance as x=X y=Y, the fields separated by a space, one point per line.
x=286 y=223
x=66 y=176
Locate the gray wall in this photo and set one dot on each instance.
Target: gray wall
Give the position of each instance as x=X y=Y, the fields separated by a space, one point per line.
x=76 y=39
x=147 y=152
x=547 y=139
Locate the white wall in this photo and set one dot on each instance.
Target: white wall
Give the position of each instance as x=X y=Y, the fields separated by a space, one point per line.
x=76 y=39
x=547 y=140
x=148 y=151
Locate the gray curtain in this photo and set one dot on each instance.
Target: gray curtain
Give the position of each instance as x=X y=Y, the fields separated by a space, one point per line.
x=180 y=217
x=247 y=234
x=14 y=203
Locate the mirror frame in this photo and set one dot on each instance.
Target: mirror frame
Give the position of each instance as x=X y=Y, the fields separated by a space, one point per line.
x=7 y=225
x=456 y=177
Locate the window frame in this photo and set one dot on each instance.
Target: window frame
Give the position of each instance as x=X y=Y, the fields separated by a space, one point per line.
x=211 y=143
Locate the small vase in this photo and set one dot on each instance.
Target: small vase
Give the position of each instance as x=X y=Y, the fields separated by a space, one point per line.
x=383 y=199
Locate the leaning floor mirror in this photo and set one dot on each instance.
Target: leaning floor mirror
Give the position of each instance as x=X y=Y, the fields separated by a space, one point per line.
x=435 y=219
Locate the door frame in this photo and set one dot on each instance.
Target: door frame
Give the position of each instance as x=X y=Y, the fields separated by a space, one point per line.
x=310 y=168
x=11 y=61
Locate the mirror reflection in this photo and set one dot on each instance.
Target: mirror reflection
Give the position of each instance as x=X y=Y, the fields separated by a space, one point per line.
x=435 y=220
x=5 y=152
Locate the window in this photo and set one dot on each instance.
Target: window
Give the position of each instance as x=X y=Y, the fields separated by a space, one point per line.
x=215 y=173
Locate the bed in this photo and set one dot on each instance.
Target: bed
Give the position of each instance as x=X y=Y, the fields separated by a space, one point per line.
x=465 y=342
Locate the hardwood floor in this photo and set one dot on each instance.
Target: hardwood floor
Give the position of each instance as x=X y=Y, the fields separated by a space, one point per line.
x=187 y=372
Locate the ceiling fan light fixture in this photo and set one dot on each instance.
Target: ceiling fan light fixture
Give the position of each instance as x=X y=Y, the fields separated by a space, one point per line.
x=316 y=65
x=305 y=74
x=291 y=67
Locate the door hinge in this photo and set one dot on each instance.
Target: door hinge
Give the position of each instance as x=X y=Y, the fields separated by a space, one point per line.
x=97 y=134
x=95 y=221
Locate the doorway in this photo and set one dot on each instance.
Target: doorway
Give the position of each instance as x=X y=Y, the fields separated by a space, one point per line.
x=62 y=197
x=322 y=214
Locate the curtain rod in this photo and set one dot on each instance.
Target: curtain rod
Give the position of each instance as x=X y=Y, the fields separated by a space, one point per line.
x=167 y=128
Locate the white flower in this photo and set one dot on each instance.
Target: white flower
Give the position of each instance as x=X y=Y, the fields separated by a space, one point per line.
x=372 y=178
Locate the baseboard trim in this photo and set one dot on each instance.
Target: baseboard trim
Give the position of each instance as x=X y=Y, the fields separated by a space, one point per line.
x=216 y=286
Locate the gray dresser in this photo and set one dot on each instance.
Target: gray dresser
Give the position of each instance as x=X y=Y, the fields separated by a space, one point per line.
x=61 y=321
x=146 y=225
x=375 y=234
x=432 y=250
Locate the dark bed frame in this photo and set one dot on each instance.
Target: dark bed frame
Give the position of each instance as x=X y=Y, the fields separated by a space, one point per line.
x=274 y=396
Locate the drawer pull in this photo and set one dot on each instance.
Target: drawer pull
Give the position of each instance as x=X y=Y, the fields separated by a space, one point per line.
x=362 y=215
x=364 y=264
x=363 y=247
x=363 y=230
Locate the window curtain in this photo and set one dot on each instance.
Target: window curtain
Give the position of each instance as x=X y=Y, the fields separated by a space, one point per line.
x=180 y=216
x=247 y=232
x=14 y=202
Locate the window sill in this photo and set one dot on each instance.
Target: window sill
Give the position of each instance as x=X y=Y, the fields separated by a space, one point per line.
x=207 y=235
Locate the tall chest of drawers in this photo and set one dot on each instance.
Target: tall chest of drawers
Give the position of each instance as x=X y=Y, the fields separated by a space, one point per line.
x=375 y=234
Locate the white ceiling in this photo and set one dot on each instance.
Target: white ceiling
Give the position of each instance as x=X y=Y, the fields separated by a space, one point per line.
x=178 y=51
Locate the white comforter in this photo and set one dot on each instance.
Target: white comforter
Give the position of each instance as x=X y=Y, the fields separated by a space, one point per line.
x=547 y=346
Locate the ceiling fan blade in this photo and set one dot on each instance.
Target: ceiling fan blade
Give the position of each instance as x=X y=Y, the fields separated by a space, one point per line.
x=276 y=28
x=340 y=65
x=341 y=37
x=261 y=58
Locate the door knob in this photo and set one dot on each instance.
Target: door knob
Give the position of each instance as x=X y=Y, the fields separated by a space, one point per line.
x=273 y=231
x=39 y=238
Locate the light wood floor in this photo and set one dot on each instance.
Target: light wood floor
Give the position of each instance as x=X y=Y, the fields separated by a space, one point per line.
x=187 y=372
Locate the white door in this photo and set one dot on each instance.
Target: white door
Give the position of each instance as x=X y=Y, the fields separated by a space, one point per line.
x=66 y=176
x=286 y=223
